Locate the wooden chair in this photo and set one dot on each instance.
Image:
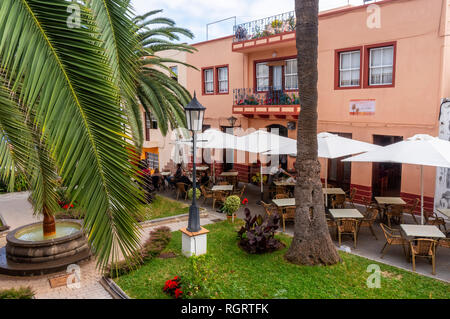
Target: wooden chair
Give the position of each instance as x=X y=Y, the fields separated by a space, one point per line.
x=269 y=208
x=433 y=219
x=426 y=248
x=411 y=208
x=368 y=220
x=223 y=183
x=218 y=196
x=395 y=211
x=288 y=215
x=351 y=197
x=393 y=237
x=280 y=190
x=281 y=196
x=182 y=189
x=206 y=193
x=338 y=201
x=240 y=192
x=347 y=226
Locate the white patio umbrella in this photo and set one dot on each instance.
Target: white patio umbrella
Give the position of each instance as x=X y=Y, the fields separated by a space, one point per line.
x=331 y=146
x=261 y=142
x=214 y=139
x=421 y=149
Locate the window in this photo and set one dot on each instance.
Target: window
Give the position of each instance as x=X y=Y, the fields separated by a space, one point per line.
x=152 y=160
x=222 y=76
x=208 y=78
x=349 y=68
x=262 y=77
x=290 y=75
x=174 y=70
x=381 y=65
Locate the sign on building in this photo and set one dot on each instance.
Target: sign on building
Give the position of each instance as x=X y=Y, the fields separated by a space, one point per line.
x=362 y=107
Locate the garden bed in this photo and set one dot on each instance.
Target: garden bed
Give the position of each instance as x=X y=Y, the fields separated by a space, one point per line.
x=241 y=275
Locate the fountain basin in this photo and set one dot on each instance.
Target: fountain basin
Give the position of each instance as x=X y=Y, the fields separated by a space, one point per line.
x=26 y=252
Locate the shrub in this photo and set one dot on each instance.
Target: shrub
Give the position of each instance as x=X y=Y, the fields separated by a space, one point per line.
x=158 y=241
x=201 y=276
x=17 y=293
x=257 y=236
x=231 y=204
x=197 y=191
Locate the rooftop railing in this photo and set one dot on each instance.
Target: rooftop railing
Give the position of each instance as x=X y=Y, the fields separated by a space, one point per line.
x=261 y=28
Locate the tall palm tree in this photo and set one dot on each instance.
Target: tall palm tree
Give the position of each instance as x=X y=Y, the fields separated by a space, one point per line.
x=158 y=93
x=62 y=97
x=311 y=244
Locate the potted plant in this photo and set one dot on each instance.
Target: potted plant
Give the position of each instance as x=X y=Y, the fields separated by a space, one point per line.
x=197 y=191
x=231 y=206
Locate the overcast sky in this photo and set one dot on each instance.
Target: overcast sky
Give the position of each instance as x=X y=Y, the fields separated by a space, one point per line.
x=195 y=14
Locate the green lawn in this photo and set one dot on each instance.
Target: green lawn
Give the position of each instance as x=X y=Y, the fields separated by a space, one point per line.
x=164 y=207
x=240 y=275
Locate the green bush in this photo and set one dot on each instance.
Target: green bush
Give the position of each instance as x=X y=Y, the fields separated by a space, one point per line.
x=197 y=191
x=231 y=205
x=199 y=283
x=158 y=241
x=17 y=293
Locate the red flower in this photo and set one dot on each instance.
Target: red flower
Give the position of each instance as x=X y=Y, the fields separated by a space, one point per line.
x=66 y=206
x=245 y=201
x=178 y=293
x=71 y=205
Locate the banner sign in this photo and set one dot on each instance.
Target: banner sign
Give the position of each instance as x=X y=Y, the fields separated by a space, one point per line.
x=442 y=189
x=362 y=107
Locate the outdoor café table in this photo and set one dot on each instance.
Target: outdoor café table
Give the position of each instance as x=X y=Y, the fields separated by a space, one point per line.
x=284 y=202
x=422 y=231
x=444 y=211
x=284 y=183
x=165 y=173
x=346 y=213
x=202 y=168
x=333 y=191
x=230 y=176
x=384 y=202
x=222 y=188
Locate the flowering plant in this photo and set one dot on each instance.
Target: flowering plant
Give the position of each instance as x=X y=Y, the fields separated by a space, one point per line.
x=245 y=201
x=172 y=287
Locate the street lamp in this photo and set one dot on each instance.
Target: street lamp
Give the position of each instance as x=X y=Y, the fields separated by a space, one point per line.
x=232 y=120
x=194 y=119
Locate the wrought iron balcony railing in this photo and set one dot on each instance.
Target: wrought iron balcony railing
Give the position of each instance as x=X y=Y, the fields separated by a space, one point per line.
x=277 y=24
x=250 y=96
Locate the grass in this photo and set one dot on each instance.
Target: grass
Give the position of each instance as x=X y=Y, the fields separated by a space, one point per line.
x=240 y=275
x=17 y=293
x=164 y=207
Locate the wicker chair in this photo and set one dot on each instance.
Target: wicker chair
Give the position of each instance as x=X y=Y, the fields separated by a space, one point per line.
x=206 y=193
x=218 y=196
x=424 y=247
x=368 y=220
x=411 y=208
x=433 y=219
x=281 y=196
x=393 y=237
x=182 y=189
x=347 y=226
x=395 y=211
x=269 y=208
x=351 y=197
x=223 y=183
x=281 y=190
x=288 y=215
x=239 y=192
x=338 y=201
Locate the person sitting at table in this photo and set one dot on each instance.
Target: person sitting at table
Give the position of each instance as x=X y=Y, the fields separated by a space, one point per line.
x=204 y=180
x=157 y=179
x=172 y=180
x=275 y=173
x=184 y=179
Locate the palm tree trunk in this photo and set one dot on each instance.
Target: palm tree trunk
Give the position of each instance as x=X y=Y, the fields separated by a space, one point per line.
x=312 y=244
x=49 y=224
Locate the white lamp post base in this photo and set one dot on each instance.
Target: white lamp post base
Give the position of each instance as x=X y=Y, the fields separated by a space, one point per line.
x=193 y=243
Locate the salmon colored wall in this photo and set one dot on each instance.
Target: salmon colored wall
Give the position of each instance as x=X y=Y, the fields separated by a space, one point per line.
x=410 y=107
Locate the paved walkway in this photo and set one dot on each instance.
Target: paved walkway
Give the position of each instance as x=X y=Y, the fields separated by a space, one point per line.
x=17 y=210
x=90 y=287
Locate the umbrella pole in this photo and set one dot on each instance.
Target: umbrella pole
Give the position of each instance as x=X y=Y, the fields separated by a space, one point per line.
x=214 y=166
x=421 y=194
x=261 y=179
x=326 y=178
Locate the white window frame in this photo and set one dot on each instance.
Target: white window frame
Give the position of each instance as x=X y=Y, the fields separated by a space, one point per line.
x=224 y=82
x=382 y=66
x=208 y=82
x=350 y=69
x=288 y=75
x=258 y=88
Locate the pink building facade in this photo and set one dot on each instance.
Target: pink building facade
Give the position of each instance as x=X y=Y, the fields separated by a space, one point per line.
x=383 y=71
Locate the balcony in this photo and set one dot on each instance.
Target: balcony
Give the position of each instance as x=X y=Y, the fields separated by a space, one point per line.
x=250 y=102
x=268 y=31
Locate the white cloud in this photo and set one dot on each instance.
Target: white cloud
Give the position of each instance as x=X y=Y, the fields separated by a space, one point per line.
x=195 y=14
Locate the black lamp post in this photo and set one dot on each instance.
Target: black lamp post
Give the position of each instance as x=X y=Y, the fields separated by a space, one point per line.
x=232 y=120
x=194 y=117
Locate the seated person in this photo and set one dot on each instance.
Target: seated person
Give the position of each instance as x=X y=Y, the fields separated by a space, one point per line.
x=157 y=178
x=184 y=179
x=275 y=173
x=172 y=180
x=204 y=180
